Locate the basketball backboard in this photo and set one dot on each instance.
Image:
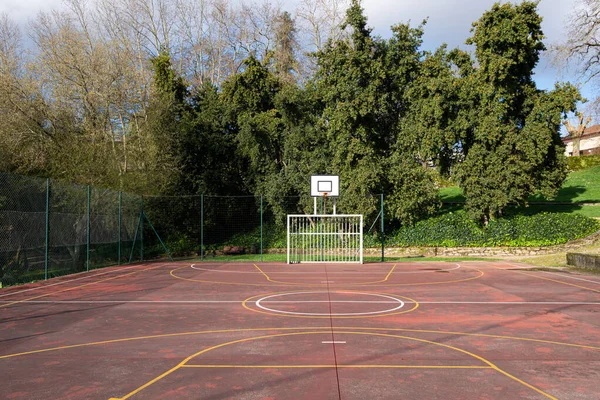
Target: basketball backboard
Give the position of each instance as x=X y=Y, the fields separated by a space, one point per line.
x=324 y=185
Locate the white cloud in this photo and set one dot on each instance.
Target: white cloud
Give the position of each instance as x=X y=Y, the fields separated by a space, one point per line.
x=449 y=20
x=23 y=10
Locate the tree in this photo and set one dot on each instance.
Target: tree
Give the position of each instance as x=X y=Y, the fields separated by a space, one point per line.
x=577 y=132
x=285 y=47
x=581 y=49
x=350 y=81
x=515 y=149
x=258 y=126
x=363 y=83
x=168 y=106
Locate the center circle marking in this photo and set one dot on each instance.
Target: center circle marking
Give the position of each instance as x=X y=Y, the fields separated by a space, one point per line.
x=264 y=299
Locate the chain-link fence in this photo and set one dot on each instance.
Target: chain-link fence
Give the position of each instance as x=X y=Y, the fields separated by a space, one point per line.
x=50 y=228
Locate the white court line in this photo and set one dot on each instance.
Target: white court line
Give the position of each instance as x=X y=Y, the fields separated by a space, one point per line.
x=334 y=342
x=68 y=281
x=302 y=301
x=192 y=301
x=323 y=271
x=556 y=273
x=397 y=301
x=568 y=276
x=577 y=303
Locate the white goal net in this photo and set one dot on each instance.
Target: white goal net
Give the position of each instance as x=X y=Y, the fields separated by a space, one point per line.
x=324 y=238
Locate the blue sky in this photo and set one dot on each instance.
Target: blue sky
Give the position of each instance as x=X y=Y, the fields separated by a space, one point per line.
x=449 y=22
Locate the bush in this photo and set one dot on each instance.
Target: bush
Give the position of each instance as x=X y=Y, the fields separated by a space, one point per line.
x=457 y=230
x=274 y=237
x=583 y=162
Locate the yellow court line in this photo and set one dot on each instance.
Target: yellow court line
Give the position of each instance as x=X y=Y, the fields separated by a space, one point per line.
x=340 y=366
x=170 y=335
x=261 y=271
x=557 y=281
x=76 y=287
x=334 y=285
x=390 y=273
x=384 y=314
x=184 y=362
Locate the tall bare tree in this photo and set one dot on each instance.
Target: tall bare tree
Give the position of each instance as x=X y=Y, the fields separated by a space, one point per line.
x=581 y=49
x=576 y=132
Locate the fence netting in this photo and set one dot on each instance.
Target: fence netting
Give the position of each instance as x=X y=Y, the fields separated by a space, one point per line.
x=22 y=228
x=50 y=228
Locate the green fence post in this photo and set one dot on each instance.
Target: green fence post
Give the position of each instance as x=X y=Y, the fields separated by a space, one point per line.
x=142 y=232
x=261 y=228
x=135 y=237
x=202 y=227
x=382 y=231
x=89 y=224
x=47 y=228
x=119 y=228
x=158 y=237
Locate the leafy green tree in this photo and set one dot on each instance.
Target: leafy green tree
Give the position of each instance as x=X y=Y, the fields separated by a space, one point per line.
x=514 y=149
x=208 y=147
x=167 y=106
x=274 y=123
x=363 y=83
x=258 y=127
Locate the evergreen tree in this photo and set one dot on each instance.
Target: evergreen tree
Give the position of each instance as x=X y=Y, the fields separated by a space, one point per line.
x=515 y=149
x=362 y=81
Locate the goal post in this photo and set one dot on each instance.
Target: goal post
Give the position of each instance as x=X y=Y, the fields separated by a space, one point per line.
x=324 y=238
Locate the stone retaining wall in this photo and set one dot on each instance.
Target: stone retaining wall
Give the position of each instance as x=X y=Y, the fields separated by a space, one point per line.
x=583 y=260
x=483 y=251
x=474 y=251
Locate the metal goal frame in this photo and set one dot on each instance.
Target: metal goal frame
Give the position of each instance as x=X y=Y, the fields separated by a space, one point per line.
x=322 y=238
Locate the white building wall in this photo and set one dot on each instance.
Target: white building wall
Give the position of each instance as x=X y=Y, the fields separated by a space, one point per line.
x=584 y=144
x=568 y=149
x=591 y=143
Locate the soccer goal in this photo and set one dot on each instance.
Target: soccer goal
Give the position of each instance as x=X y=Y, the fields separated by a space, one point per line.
x=324 y=238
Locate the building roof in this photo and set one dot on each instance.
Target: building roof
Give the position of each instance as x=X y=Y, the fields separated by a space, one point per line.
x=591 y=129
x=590 y=132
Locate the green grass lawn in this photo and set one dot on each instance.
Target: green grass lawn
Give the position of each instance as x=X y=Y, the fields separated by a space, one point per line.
x=451 y=194
x=580 y=187
x=367 y=259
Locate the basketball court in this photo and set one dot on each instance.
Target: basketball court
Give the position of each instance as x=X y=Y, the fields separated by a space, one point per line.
x=422 y=330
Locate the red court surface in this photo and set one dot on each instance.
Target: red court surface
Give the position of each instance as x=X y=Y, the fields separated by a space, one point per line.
x=422 y=330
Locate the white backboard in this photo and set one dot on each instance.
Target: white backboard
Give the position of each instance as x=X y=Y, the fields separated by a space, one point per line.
x=325 y=185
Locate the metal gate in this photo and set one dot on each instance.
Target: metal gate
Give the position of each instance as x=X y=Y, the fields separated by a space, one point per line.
x=325 y=238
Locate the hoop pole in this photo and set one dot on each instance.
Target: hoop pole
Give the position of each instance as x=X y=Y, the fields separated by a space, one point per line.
x=315 y=207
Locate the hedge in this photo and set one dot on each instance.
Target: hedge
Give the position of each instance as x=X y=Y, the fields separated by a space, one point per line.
x=457 y=230
x=583 y=162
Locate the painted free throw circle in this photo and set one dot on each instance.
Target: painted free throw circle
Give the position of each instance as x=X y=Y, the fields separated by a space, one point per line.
x=390 y=300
